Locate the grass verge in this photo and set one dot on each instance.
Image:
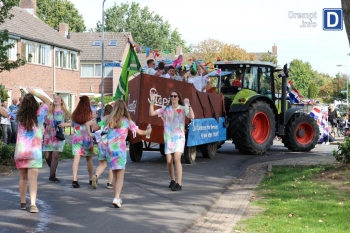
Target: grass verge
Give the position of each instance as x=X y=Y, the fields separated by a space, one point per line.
x=298 y=199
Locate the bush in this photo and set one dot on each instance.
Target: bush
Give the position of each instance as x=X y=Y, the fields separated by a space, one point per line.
x=106 y=99
x=343 y=152
x=7 y=153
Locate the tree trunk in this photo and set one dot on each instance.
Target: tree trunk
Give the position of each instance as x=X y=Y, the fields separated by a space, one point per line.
x=346 y=12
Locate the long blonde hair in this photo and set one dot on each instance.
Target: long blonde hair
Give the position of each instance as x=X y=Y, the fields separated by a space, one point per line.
x=63 y=107
x=119 y=111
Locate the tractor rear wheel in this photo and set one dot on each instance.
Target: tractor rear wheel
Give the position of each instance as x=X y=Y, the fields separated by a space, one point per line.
x=253 y=130
x=135 y=151
x=302 y=133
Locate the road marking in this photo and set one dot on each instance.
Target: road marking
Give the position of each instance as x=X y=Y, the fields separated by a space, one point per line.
x=45 y=211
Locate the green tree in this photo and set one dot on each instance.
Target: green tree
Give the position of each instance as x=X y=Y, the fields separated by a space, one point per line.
x=312 y=92
x=5 y=64
x=301 y=74
x=209 y=50
x=3 y=93
x=269 y=57
x=146 y=27
x=54 y=12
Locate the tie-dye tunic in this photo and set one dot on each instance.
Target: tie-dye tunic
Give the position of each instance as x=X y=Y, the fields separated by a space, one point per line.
x=81 y=142
x=51 y=143
x=116 y=143
x=174 y=128
x=28 y=152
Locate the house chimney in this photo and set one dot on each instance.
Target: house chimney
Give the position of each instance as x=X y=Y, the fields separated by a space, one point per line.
x=274 y=50
x=63 y=29
x=28 y=5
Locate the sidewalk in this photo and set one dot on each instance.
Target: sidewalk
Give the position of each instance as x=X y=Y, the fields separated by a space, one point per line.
x=229 y=208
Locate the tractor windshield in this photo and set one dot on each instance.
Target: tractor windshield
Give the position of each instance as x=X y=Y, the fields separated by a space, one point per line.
x=236 y=77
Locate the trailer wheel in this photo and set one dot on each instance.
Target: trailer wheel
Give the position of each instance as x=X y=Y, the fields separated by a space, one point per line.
x=162 y=149
x=135 y=151
x=209 y=150
x=253 y=130
x=302 y=133
x=190 y=154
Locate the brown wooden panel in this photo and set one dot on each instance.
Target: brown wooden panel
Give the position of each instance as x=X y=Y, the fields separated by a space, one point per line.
x=138 y=102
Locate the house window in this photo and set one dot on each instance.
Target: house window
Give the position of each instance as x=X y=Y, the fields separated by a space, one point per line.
x=66 y=59
x=12 y=52
x=112 y=43
x=36 y=53
x=95 y=70
x=97 y=43
x=87 y=70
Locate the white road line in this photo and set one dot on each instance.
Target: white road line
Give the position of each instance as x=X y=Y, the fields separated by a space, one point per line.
x=45 y=211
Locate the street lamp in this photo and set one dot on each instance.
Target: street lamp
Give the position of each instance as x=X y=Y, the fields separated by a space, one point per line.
x=103 y=56
x=347 y=85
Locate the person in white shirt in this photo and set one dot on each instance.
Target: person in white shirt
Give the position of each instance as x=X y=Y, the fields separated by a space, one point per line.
x=150 y=70
x=199 y=82
x=6 y=125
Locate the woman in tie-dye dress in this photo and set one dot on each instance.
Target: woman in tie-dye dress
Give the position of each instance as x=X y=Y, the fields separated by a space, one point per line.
x=173 y=117
x=118 y=123
x=52 y=146
x=28 y=155
x=82 y=144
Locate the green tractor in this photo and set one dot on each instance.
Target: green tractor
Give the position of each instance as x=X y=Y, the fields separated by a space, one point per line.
x=258 y=109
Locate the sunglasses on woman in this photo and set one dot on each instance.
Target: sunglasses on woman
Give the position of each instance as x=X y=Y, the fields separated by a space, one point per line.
x=173 y=96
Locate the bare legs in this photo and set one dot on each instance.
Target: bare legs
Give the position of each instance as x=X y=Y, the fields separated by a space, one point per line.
x=101 y=167
x=76 y=165
x=118 y=180
x=171 y=159
x=31 y=175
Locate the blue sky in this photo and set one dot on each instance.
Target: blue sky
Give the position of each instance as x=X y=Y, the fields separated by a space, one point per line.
x=254 y=25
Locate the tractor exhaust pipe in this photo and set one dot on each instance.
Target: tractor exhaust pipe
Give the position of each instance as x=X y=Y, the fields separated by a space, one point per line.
x=284 y=89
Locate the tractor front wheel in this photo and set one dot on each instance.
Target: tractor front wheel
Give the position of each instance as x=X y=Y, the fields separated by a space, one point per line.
x=302 y=133
x=253 y=130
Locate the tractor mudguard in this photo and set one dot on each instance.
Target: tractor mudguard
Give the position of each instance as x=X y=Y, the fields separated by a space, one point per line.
x=243 y=107
x=290 y=112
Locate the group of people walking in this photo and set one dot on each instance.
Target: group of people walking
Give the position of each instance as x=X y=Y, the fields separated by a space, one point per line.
x=40 y=129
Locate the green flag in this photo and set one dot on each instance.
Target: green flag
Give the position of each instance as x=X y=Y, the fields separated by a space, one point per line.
x=131 y=66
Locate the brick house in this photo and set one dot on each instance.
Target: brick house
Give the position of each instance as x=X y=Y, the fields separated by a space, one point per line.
x=52 y=60
x=115 y=49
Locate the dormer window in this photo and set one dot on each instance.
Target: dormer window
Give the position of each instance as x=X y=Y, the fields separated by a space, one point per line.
x=97 y=43
x=112 y=43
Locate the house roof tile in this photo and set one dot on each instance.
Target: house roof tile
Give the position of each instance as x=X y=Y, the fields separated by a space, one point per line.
x=28 y=26
x=93 y=53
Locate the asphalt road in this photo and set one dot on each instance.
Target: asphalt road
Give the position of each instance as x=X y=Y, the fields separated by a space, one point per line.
x=148 y=204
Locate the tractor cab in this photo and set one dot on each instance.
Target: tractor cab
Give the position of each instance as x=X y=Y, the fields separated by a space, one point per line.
x=238 y=75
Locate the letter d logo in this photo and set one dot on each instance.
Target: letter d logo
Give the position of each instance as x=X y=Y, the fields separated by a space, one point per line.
x=332 y=19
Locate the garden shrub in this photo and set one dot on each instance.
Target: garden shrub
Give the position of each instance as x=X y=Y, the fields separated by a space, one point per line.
x=343 y=152
x=7 y=154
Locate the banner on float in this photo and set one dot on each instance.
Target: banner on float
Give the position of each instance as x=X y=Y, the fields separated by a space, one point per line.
x=207 y=130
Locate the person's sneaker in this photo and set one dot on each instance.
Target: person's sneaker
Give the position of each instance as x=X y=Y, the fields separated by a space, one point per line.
x=34 y=209
x=54 y=179
x=172 y=184
x=117 y=202
x=109 y=186
x=94 y=182
x=177 y=187
x=75 y=184
x=23 y=206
